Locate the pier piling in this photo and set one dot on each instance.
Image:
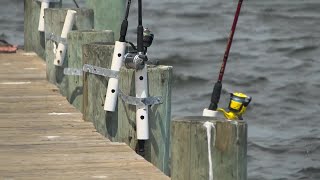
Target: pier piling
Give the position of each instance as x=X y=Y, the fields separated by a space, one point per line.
x=190 y=158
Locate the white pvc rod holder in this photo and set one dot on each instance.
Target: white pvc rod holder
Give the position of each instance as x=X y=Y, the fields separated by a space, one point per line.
x=62 y=48
x=209 y=113
x=142 y=119
x=44 y=5
x=113 y=84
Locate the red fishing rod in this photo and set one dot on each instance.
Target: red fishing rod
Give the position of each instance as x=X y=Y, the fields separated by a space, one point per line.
x=215 y=97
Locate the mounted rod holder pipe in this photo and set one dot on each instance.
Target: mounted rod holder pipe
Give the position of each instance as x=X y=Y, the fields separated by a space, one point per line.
x=44 y=5
x=117 y=60
x=141 y=80
x=113 y=84
x=142 y=120
x=62 y=48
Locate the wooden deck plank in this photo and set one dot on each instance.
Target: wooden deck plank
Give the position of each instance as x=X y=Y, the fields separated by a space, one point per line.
x=43 y=137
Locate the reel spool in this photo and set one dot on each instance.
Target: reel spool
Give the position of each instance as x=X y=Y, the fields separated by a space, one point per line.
x=237 y=106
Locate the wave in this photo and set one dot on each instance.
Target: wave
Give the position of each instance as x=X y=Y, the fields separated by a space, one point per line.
x=294 y=17
x=289 y=38
x=168 y=40
x=247 y=81
x=310 y=170
x=299 y=145
x=278 y=150
x=176 y=60
x=289 y=86
x=193 y=15
x=303 y=50
x=179 y=79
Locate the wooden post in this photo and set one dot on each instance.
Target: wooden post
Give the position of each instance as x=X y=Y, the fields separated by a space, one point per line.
x=54 y=21
x=94 y=90
x=75 y=41
x=189 y=149
x=33 y=39
x=120 y=126
x=108 y=14
x=157 y=147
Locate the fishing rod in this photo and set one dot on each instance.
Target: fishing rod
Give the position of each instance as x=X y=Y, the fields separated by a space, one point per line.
x=141 y=80
x=138 y=60
x=117 y=60
x=134 y=60
x=215 y=96
x=75 y=2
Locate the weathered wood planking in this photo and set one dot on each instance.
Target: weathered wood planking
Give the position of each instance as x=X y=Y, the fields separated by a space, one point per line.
x=108 y=14
x=76 y=39
x=120 y=125
x=43 y=137
x=189 y=149
x=33 y=39
x=54 y=21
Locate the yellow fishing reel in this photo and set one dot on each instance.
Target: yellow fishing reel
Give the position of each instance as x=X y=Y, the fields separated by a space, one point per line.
x=237 y=106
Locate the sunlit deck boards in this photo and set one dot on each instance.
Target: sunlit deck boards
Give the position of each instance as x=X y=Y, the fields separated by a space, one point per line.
x=43 y=137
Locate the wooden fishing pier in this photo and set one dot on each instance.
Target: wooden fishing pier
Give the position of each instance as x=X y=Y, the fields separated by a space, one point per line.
x=53 y=124
x=43 y=137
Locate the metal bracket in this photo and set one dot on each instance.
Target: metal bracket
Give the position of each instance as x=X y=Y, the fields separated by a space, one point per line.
x=49 y=1
x=93 y=70
x=100 y=71
x=140 y=102
x=57 y=39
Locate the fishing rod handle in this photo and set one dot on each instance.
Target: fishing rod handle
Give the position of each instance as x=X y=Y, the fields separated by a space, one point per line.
x=140 y=29
x=123 y=30
x=113 y=84
x=142 y=118
x=44 y=5
x=140 y=46
x=67 y=27
x=215 y=96
x=124 y=24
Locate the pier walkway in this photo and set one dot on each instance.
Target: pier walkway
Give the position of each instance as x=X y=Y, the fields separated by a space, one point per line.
x=43 y=137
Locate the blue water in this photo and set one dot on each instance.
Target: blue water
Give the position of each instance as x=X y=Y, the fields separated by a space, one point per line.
x=274 y=58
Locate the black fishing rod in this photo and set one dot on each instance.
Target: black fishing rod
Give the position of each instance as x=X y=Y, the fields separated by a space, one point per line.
x=136 y=60
x=141 y=86
x=140 y=29
x=124 y=25
x=75 y=2
x=215 y=97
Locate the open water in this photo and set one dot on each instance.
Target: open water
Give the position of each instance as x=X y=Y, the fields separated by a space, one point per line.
x=274 y=58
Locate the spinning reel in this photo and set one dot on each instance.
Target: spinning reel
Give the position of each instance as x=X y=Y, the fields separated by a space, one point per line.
x=237 y=106
x=136 y=60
